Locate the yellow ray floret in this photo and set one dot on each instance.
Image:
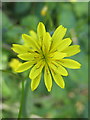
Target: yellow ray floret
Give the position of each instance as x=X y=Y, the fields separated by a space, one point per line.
x=58 y=79
x=35 y=82
x=24 y=66
x=43 y=52
x=69 y=63
x=72 y=50
x=47 y=78
x=58 y=68
x=36 y=70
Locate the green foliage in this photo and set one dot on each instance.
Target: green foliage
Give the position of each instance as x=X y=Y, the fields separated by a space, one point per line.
x=30 y=22
x=71 y=102
x=21 y=8
x=67 y=18
x=6 y=23
x=14 y=34
x=81 y=9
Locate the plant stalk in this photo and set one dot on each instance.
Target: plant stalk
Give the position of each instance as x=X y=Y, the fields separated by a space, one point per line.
x=22 y=100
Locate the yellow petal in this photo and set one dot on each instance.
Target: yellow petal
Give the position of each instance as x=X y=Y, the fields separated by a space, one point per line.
x=35 y=82
x=58 y=79
x=36 y=70
x=41 y=30
x=59 y=33
x=62 y=70
x=30 y=42
x=19 y=48
x=58 y=36
x=69 y=63
x=72 y=50
x=33 y=34
x=58 y=68
x=64 y=44
x=24 y=66
x=57 y=55
x=26 y=56
x=46 y=42
x=47 y=78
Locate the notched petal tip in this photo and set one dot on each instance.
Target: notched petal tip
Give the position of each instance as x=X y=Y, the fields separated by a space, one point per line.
x=79 y=48
x=80 y=65
x=26 y=36
x=12 y=48
x=69 y=39
x=40 y=23
x=49 y=89
x=13 y=45
x=66 y=74
x=23 y=36
x=61 y=26
x=33 y=89
x=63 y=86
x=65 y=29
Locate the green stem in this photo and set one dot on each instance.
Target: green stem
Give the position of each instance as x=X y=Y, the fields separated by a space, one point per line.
x=21 y=103
x=25 y=95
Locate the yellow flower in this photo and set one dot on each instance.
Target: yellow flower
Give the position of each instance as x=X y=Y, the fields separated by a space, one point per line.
x=14 y=63
x=44 y=10
x=41 y=51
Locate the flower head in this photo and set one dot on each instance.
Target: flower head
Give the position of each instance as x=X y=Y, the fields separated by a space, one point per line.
x=41 y=51
x=14 y=63
x=44 y=10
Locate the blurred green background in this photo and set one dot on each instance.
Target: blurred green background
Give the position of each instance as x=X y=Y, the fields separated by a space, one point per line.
x=71 y=102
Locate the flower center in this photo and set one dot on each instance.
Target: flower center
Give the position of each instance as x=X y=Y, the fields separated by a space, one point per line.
x=44 y=57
